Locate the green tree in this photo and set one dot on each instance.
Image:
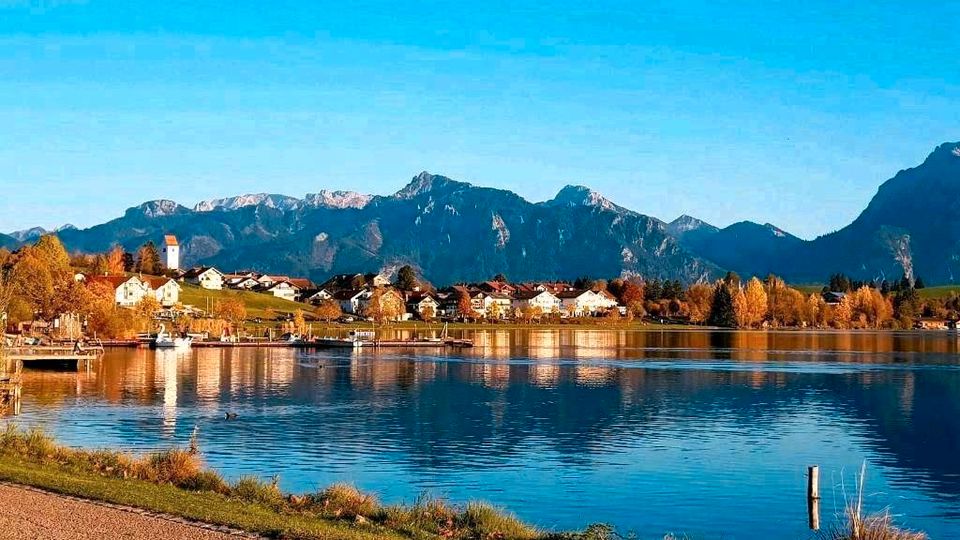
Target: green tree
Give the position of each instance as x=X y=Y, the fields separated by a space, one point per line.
x=721 y=309
x=407 y=278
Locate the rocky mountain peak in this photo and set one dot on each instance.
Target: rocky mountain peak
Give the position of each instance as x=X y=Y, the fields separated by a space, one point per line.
x=281 y=202
x=158 y=208
x=427 y=183
x=686 y=223
x=576 y=195
x=337 y=199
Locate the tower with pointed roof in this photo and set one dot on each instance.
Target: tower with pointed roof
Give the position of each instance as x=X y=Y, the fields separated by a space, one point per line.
x=171 y=252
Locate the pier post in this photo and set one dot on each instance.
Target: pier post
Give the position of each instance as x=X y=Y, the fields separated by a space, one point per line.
x=813 y=497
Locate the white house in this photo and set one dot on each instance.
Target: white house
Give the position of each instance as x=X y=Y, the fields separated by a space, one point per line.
x=128 y=290
x=206 y=277
x=352 y=301
x=424 y=305
x=171 y=252
x=486 y=303
x=283 y=289
x=546 y=301
x=318 y=297
x=166 y=290
x=585 y=302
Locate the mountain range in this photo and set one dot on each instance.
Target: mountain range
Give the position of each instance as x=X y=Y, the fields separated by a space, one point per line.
x=453 y=231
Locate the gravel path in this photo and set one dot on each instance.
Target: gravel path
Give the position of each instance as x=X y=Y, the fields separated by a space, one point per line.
x=30 y=514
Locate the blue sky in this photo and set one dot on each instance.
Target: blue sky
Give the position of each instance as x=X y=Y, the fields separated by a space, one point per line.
x=784 y=112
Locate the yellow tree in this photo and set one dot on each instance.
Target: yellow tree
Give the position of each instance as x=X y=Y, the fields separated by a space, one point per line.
x=494 y=311
x=740 y=308
x=145 y=311
x=328 y=310
x=755 y=298
x=231 y=310
x=299 y=322
x=114 y=261
x=699 y=298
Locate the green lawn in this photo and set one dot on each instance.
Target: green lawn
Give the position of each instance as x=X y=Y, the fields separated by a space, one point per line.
x=257 y=303
x=940 y=291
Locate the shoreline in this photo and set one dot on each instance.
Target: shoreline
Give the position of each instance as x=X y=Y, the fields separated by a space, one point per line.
x=174 y=487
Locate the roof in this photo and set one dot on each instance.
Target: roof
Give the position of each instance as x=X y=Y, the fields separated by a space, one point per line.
x=348 y=294
x=113 y=281
x=527 y=295
x=571 y=294
x=301 y=283
x=199 y=270
x=170 y=240
x=157 y=282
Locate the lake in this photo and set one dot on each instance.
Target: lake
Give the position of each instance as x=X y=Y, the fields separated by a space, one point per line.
x=703 y=433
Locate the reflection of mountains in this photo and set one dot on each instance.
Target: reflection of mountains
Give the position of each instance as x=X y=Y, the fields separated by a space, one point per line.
x=538 y=390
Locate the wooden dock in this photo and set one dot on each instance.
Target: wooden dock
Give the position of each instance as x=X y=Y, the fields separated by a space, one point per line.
x=11 y=385
x=47 y=356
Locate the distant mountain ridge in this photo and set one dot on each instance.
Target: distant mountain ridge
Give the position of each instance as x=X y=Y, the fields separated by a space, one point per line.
x=454 y=231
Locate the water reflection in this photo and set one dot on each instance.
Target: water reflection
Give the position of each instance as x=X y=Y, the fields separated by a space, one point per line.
x=565 y=427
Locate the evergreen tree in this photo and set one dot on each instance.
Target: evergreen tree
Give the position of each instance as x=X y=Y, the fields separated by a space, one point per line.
x=732 y=280
x=918 y=284
x=653 y=290
x=407 y=278
x=722 y=312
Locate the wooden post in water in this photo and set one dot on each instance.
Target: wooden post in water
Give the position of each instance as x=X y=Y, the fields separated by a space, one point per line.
x=813 y=497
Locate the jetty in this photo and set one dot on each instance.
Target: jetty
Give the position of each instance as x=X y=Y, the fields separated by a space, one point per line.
x=37 y=356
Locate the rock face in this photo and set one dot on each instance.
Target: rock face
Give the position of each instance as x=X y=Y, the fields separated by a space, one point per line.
x=455 y=231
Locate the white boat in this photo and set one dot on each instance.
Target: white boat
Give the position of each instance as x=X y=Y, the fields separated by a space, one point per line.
x=167 y=341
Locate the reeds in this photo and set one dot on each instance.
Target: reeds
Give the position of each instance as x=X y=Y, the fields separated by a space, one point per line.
x=877 y=526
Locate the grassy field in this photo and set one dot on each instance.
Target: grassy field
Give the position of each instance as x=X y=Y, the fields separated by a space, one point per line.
x=257 y=303
x=940 y=291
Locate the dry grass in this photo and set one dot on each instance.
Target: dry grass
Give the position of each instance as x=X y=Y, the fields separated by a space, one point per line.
x=878 y=526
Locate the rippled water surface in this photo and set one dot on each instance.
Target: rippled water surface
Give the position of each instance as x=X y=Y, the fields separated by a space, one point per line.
x=707 y=434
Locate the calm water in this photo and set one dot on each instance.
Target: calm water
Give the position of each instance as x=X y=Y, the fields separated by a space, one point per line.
x=703 y=433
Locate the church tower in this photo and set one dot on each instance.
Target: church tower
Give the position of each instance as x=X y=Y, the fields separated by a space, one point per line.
x=171 y=252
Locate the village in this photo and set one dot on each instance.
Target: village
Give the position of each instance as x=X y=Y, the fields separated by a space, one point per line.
x=348 y=297
x=120 y=296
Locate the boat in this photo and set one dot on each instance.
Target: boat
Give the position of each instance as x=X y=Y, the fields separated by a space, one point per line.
x=357 y=338
x=167 y=341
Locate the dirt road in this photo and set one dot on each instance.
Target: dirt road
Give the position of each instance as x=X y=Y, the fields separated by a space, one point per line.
x=27 y=514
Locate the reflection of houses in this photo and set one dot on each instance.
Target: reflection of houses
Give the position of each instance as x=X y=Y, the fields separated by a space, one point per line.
x=206 y=277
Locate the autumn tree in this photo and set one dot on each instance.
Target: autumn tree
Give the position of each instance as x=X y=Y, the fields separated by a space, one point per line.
x=755 y=303
x=631 y=293
x=299 y=322
x=145 y=310
x=232 y=310
x=148 y=259
x=531 y=313
x=699 y=299
x=115 y=261
x=328 y=310
x=428 y=313
x=465 y=306
x=384 y=305
x=740 y=310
